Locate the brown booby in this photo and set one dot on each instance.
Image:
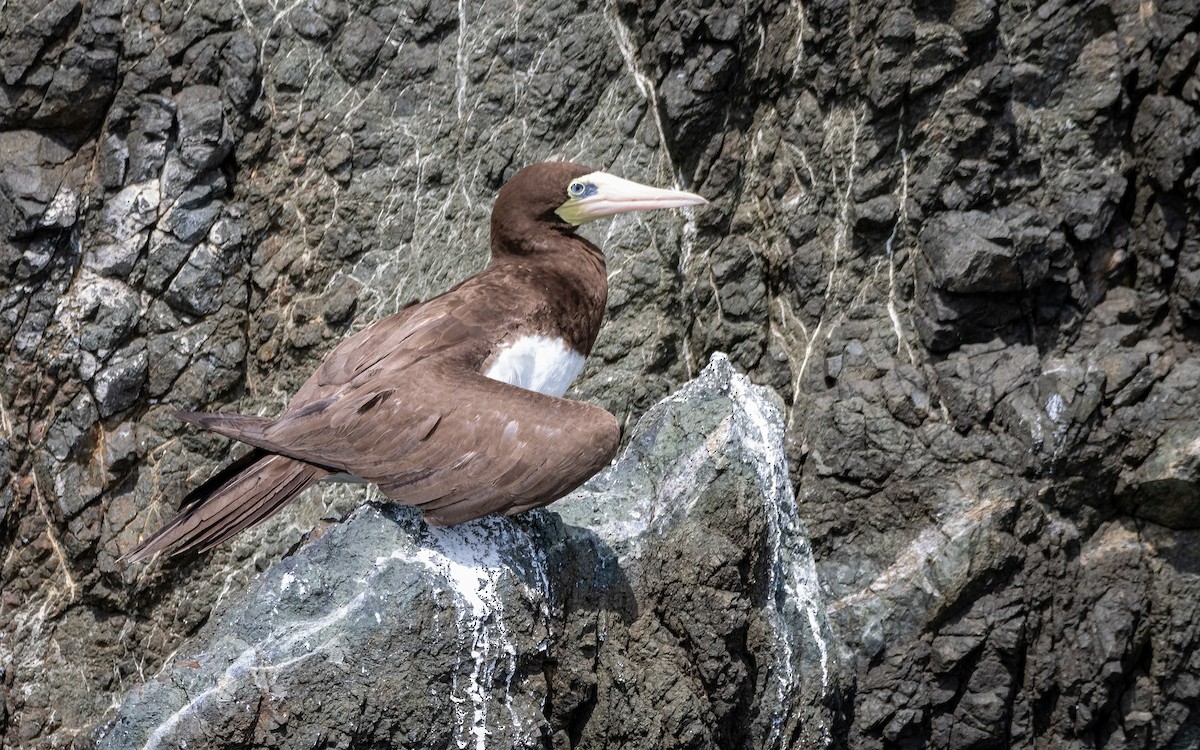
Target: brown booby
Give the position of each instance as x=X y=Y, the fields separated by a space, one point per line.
x=453 y=405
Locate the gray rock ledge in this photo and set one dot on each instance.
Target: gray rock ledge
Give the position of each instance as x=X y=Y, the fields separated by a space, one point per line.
x=672 y=601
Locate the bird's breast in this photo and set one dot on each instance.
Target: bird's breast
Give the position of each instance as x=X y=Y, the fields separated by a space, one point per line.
x=536 y=363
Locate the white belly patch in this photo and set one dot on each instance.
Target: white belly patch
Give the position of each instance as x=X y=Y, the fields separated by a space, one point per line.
x=537 y=363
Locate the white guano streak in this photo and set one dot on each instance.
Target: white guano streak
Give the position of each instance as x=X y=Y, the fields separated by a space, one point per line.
x=469 y=558
x=793 y=579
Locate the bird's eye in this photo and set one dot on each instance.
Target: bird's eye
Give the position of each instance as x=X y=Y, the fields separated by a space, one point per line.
x=576 y=189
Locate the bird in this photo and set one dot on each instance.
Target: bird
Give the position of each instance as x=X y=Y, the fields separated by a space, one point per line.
x=453 y=405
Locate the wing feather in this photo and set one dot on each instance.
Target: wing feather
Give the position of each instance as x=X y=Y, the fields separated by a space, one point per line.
x=452 y=438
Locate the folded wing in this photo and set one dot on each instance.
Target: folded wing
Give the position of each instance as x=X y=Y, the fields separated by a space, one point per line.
x=450 y=441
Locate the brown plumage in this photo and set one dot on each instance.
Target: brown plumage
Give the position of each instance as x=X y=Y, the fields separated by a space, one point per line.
x=406 y=404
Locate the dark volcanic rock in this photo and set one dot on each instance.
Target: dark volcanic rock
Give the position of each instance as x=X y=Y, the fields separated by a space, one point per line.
x=961 y=239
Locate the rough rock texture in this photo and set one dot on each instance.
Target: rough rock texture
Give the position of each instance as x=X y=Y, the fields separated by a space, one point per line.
x=960 y=239
x=659 y=606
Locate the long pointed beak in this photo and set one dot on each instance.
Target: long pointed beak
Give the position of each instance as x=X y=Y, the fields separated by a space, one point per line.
x=607 y=195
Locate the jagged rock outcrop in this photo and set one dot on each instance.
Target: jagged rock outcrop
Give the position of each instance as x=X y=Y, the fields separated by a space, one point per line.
x=959 y=239
x=671 y=601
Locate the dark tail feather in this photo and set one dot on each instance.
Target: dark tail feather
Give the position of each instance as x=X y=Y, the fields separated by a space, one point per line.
x=251 y=490
x=213 y=483
x=236 y=426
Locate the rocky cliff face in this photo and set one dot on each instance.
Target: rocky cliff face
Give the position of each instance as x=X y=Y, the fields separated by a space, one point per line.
x=960 y=240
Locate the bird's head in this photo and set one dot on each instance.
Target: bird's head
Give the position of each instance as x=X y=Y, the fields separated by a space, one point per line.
x=563 y=195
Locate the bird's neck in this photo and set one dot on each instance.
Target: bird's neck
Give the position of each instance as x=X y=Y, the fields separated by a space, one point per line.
x=570 y=272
